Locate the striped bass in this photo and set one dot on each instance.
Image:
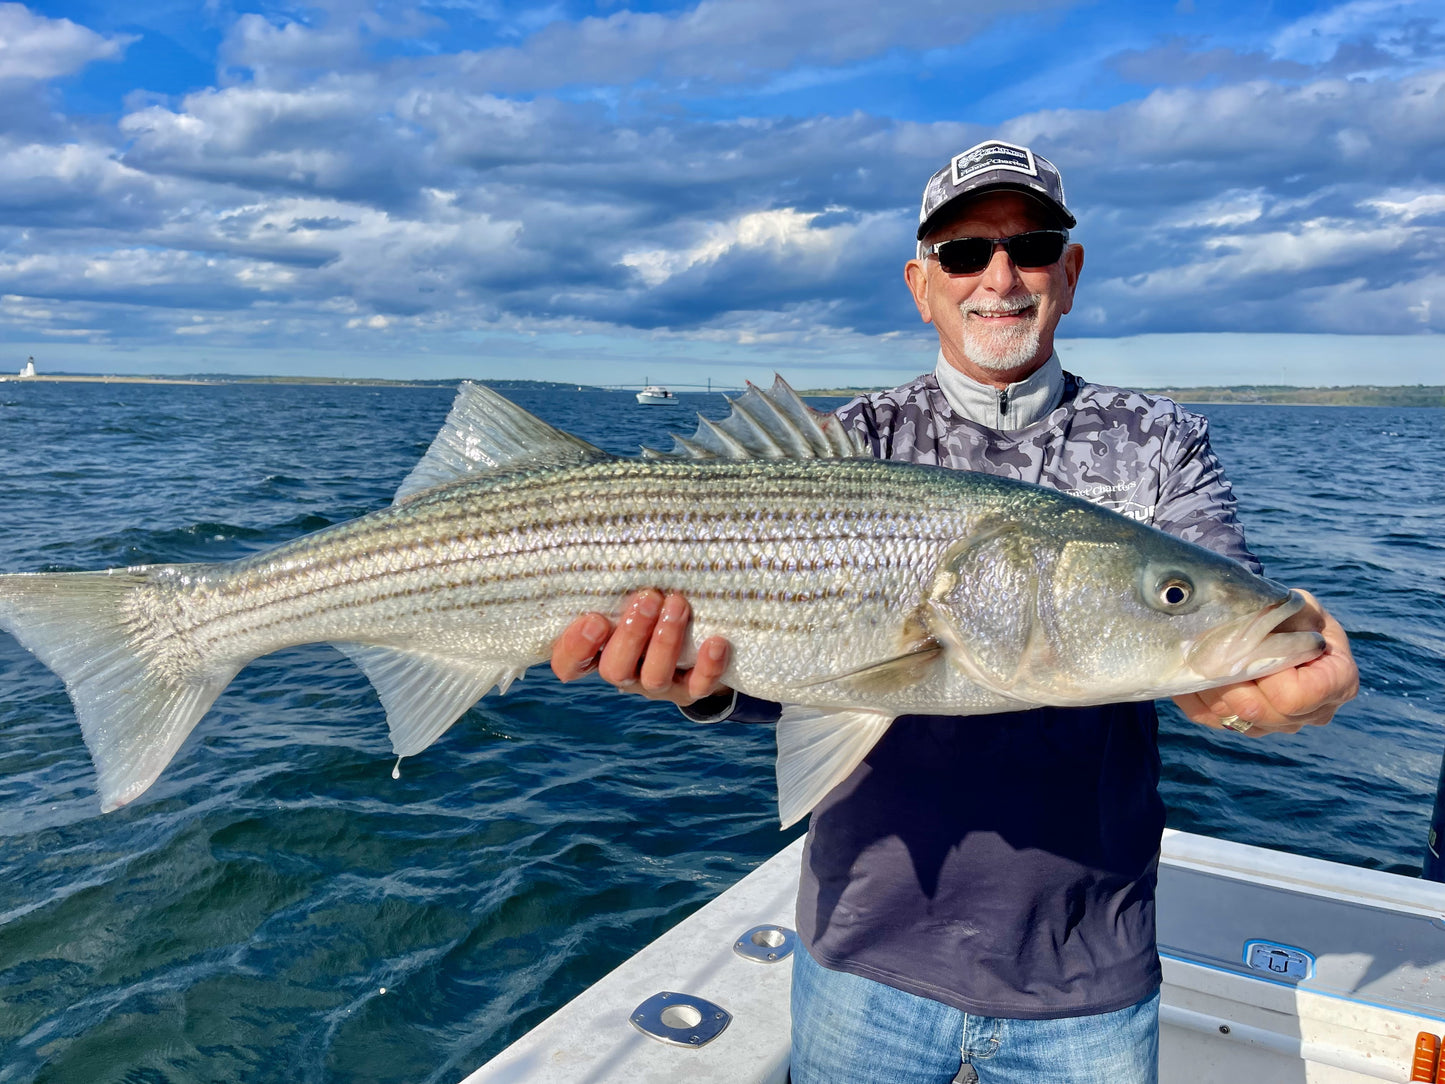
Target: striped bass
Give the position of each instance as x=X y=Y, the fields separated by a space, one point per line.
x=851 y=589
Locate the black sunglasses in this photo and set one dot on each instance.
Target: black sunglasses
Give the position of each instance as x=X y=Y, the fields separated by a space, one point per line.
x=970 y=255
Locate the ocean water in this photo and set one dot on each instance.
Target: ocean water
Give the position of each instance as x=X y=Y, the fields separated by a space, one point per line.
x=278 y=908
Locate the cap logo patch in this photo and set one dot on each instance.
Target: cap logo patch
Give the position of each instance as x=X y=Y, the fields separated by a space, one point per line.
x=932 y=195
x=991 y=156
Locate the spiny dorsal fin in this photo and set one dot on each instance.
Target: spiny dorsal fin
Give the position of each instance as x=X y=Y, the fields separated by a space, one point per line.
x=772 y=424
x=485 y=431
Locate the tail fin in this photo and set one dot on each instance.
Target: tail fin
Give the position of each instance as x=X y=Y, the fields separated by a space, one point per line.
x=96 y=630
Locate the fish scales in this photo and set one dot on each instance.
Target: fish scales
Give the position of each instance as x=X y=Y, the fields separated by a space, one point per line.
x=850 y=589
x=478 y=556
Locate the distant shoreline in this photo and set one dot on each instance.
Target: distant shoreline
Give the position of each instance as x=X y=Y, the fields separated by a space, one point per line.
x=101 y=378
x=66 y=379
x=1403 y=395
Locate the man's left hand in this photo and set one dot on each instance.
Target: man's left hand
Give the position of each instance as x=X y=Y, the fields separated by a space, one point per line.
x=1307 y=695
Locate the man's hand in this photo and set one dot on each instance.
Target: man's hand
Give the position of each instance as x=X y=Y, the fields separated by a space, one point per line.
x=1281 y=703
x=640 y=655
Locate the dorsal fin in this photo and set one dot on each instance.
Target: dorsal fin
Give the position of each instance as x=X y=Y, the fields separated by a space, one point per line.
x=485 y=431
x=772 y=424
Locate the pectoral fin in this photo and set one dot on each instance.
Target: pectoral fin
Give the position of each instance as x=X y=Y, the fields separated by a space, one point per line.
x=890 y=675
x=422 y=693
x=817 y=750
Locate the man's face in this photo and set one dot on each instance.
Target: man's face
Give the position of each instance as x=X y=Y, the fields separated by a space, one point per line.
x=996 y=326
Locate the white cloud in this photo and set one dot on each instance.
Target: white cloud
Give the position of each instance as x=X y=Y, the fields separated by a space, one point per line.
x=1409 y=205
x=334 y=37
x=327 y=192
x=254 y=134
x=1243 y=282
x=60 y=183
x=1363 y=307
x=785 y=233
x=1317 y=245
x=1179 y=145
x=34 y=47
x=729 y=41
x=430 y=199
x=1316 y=37
x=1228 y=210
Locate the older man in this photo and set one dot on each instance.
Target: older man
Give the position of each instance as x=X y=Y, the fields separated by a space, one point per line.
x=981 y=890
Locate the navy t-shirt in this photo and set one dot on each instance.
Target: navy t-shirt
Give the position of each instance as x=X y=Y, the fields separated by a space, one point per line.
x=1005 y=864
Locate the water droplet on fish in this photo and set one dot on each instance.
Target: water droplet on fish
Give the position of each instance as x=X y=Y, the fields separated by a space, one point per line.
x=396 y=769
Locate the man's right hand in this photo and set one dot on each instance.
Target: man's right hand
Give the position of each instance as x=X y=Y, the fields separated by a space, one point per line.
x=640 y=655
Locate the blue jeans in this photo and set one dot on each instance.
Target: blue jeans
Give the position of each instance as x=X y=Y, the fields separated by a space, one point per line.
x=849 y=1030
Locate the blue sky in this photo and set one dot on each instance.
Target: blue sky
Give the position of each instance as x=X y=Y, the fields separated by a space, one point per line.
x=607 y=192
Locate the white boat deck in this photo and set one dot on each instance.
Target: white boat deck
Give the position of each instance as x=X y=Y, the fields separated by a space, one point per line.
x=1350 y=966
x=591 y=1038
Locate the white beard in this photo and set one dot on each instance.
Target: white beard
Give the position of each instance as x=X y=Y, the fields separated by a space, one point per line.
x=1002 y=348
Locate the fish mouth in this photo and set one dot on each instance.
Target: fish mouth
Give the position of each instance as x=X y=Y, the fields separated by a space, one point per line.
x=1257 y=646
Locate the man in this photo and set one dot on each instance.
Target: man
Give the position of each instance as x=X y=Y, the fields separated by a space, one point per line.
x=981 y=890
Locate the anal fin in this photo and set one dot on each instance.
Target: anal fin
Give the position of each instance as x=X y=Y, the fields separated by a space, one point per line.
x=423 y=693
x=817 y=749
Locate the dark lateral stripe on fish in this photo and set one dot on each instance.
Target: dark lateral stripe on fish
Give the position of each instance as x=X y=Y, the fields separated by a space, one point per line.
x=594 y=525
x=320 y=606
x=500 y=544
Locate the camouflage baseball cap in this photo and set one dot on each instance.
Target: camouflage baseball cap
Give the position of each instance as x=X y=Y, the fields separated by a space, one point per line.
x=987 y=167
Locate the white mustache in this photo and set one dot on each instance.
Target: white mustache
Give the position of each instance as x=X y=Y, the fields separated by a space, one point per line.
x=1000 y=306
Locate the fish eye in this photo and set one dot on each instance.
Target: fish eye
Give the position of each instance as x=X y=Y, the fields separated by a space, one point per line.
x=1175 y=591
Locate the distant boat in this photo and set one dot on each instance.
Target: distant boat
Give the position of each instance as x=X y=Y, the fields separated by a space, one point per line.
x=656 y=395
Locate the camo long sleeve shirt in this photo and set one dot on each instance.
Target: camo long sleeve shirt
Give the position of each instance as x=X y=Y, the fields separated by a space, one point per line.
x=1140 y=455
x=1006 y=864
